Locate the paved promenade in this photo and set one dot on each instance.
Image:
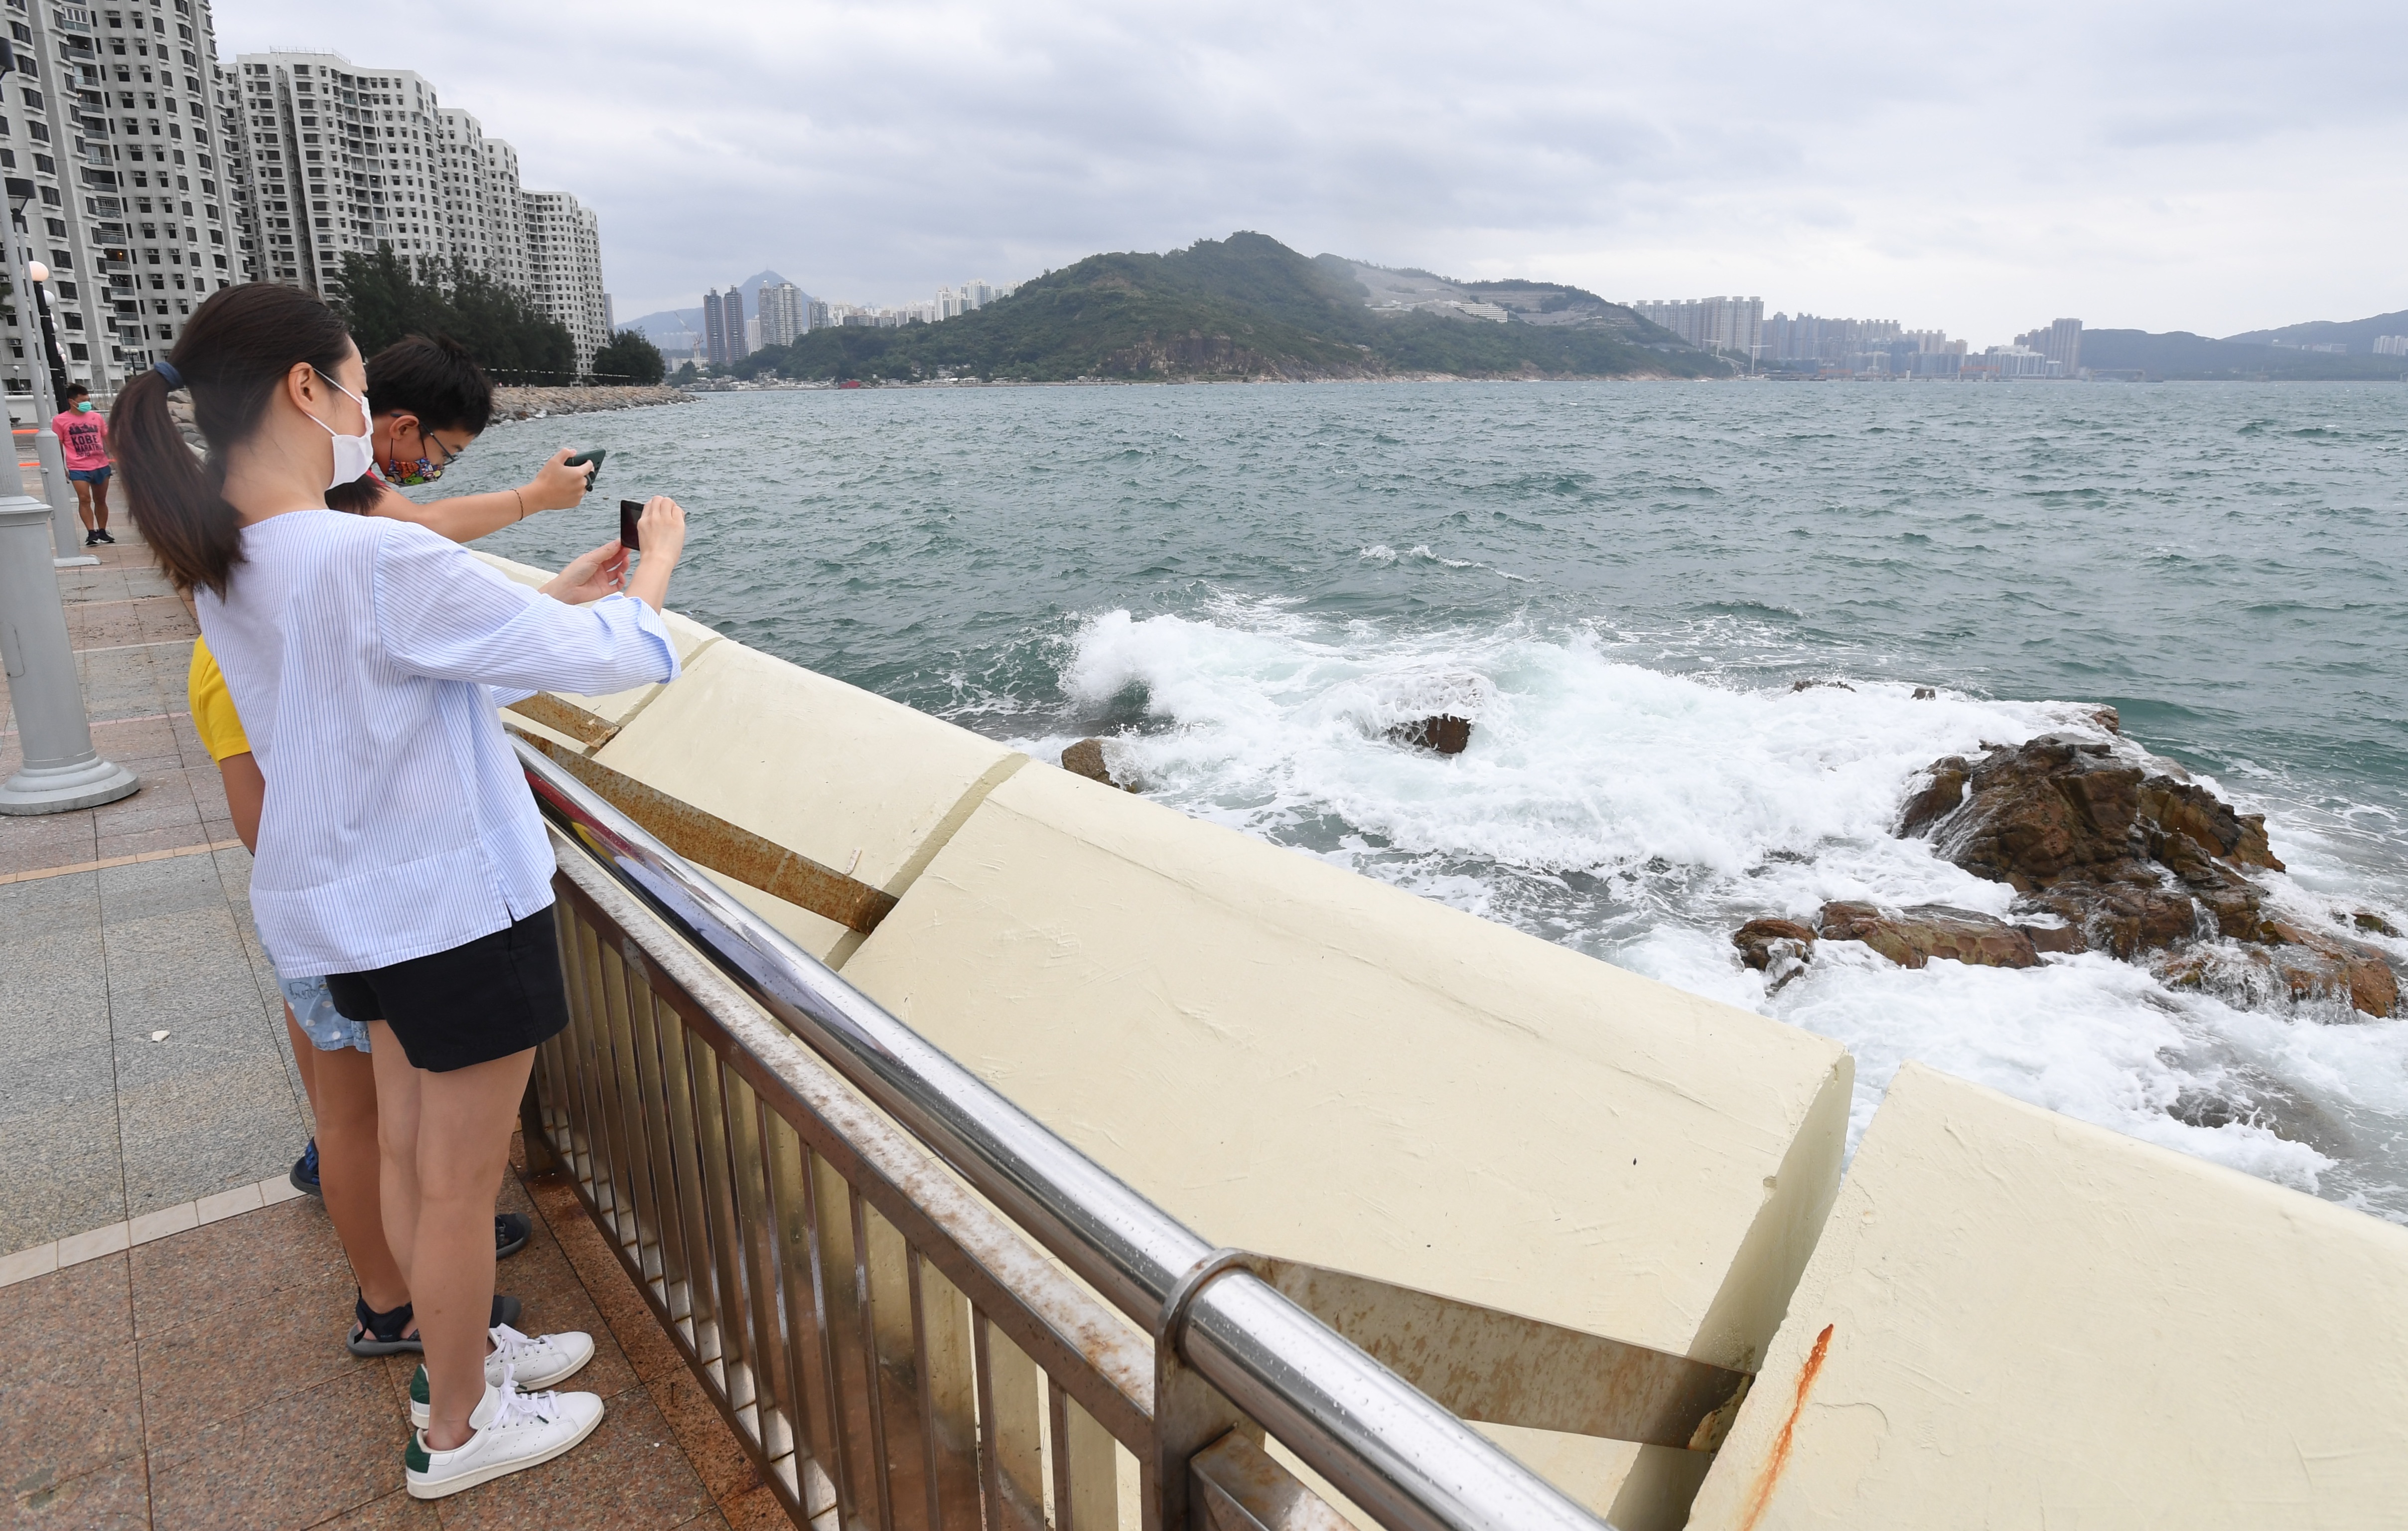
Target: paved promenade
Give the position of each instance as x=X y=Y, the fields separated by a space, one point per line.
x=171 y=1318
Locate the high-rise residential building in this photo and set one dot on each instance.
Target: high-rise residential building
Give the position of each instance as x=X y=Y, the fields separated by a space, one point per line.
x=2061 y=343
x=339 y=159
x=819 y=313
x=783 y=312
x=2392 y=345
x=1839 y=343
x=108 y=135
x=564 y=243
x=1734 y=324
x=716 y=350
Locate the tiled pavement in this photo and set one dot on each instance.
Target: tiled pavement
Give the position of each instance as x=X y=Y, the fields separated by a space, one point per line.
x=200 y=1380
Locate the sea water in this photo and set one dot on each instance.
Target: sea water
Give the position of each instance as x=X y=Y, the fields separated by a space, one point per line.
x=1245 y=586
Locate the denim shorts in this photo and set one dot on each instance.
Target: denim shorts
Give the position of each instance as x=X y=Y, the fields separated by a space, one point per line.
x=91 y=475
x=313 y=1006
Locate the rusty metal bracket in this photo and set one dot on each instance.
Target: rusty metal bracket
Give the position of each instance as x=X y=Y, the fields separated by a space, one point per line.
x=587 y=728
x=729 y=849
x=1189 y=1413
x=1235 y=1485
x=1488 y=1364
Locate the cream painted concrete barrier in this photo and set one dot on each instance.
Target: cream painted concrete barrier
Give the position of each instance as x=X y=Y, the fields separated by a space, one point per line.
x=2017 y=1320
x=853 y=781
x=1298 y=1060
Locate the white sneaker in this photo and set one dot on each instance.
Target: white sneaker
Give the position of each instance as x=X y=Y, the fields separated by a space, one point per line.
x=537 y=1361
x=513 y=1430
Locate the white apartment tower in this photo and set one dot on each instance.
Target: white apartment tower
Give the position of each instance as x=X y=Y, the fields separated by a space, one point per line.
x=108 y=138
x=340 y=159
x=782 y=314
x=485 y=213
x=564 y=245
x=337 y=160
x=1734 y=324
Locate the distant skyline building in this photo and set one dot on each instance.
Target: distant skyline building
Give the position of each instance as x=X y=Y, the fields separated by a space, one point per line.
x=1733 y=325
x=782 y=314
x=2059 y=342
x=2392 y=345
x=716 y=350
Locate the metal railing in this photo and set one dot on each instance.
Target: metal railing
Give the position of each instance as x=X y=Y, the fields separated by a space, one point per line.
x=848 y=1235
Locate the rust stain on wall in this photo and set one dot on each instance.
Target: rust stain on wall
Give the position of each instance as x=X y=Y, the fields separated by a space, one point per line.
x=1778 y=1456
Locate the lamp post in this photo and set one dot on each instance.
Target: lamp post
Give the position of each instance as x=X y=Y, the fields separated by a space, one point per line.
x=46 y=389
x=60 y=770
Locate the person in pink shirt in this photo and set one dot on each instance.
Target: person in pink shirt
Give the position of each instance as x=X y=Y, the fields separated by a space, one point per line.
x=83 y=438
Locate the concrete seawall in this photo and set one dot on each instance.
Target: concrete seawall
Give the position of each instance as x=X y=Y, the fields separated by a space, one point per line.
x=1297 y=1060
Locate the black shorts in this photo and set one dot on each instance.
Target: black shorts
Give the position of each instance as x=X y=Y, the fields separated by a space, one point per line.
x=482 y=999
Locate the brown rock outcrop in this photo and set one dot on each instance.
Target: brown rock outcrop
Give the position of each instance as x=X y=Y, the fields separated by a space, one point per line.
x=2136 y=862
x=1778 y=948
x=1445 y=734
x=1087 y=759
x=1916 y=934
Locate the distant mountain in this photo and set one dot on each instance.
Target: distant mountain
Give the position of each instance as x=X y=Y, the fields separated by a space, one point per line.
x=2182 y=357
x=1248 y=307
x=669 y=323
x=2360 y=335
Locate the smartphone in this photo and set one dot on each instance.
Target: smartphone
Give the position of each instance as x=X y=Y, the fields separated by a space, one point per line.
x=592 y=462
x=630 y=511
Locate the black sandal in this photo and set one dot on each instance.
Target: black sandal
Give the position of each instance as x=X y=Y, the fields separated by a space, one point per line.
x=386 y=1333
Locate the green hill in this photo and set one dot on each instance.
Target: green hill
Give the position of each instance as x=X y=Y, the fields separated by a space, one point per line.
x=2183 y=358
x=1245 y=307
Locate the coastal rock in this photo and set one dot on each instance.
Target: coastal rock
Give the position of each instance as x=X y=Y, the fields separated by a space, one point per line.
x=2294 y=973
x=1925 y=693
x=2373 y=924
x=1913 y=936
x=1445 y=734
x=1087 y=759
x=1796 y=686
x=1778 y=948
x=2140 y=861
x=518 y=403
x=1936 y=799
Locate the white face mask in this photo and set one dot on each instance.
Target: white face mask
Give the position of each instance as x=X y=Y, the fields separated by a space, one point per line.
x=353 y=454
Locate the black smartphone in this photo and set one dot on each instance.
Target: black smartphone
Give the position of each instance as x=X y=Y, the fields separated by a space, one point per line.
x=592 y=462
x=629 y=512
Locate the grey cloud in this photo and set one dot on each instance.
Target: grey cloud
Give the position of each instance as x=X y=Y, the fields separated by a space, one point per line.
x=1935 y=163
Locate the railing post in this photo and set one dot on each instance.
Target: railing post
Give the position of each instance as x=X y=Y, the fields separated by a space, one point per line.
x=1189 y=1413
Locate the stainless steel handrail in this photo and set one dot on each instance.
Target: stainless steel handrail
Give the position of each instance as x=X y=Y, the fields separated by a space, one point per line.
x=1376 y=1438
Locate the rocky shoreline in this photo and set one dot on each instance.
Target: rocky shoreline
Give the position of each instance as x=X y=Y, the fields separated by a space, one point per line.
x=2110 y=849
x=514 y=403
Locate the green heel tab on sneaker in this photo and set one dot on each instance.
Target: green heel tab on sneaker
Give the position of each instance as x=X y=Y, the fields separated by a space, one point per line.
x=418 y=1392
x=414 y=1455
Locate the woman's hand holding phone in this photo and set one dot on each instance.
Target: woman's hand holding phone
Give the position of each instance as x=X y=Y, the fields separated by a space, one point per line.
x=589 y=576
x=661 y=537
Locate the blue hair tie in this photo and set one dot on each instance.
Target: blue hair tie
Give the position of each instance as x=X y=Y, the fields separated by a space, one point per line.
x=168 y=374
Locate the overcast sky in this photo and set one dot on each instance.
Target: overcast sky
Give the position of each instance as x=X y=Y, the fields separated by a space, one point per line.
x=2207 y=167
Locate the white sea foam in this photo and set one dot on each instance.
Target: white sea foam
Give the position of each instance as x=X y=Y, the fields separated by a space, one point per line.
x=1642 y=815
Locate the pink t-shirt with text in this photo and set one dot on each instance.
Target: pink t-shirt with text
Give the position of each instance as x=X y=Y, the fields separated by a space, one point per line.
x=83 y=438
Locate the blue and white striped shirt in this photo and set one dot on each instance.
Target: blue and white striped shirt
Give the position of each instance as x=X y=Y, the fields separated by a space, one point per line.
x=357 y=650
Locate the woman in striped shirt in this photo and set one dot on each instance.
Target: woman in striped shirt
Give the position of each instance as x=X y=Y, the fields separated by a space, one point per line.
x=399 y=850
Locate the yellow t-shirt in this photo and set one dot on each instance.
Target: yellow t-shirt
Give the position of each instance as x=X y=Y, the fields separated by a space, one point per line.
x=213 y=715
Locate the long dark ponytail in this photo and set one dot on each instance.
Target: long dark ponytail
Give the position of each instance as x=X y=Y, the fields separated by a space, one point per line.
x=233 y=357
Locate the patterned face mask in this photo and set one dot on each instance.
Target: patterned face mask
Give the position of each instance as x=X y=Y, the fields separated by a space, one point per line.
x=425 y=470
x=405 y=474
